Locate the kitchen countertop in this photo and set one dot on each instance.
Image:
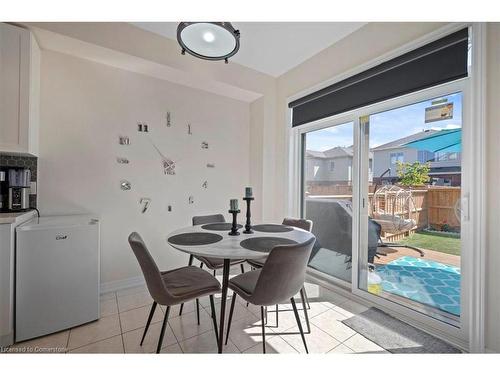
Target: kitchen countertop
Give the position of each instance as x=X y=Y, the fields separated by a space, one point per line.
x=14 y=217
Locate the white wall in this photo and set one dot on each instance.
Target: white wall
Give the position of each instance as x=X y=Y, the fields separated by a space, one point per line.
x=85 y=106
x=492 y=333
x=128 y=47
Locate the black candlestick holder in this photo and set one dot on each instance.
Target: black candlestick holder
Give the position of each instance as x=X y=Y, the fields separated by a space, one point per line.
x=248 y=225
x=234 y=226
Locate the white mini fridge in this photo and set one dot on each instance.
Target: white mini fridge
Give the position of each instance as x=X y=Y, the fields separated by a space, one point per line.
x=57 y=274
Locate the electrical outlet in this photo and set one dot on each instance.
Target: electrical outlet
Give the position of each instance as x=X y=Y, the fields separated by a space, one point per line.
x=32 y=187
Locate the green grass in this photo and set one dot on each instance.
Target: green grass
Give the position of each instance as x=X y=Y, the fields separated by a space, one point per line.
x=447 y=245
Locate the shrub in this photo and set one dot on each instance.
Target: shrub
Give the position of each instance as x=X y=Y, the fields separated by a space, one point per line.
x=412 y=174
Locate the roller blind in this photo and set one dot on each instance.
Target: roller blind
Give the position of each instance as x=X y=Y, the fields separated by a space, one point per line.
x=441 y=61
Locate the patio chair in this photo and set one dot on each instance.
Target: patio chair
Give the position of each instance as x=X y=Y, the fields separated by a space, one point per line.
x=393 y=209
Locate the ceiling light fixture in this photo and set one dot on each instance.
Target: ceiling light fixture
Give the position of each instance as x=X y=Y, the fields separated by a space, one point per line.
x=208 y=40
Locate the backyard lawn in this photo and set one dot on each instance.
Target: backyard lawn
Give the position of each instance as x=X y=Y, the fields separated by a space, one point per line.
x=443 y=244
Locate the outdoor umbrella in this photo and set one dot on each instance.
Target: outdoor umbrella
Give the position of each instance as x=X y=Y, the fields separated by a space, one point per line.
x=448 y=140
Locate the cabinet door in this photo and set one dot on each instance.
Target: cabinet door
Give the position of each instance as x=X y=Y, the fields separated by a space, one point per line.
x=14 y=87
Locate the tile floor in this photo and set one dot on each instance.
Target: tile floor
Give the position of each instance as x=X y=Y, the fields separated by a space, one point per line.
x=124 y=315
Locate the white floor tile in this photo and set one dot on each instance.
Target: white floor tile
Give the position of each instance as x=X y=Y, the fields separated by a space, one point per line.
x=205 y=343
x=247 y=332
x=111 y=345
x=361 y=344
x=109 y=307
x=172 y=349
x=133 y=301
x=186 y=326
x=341 y=349
x=132 y=339
x=317 y=341
x=330 y=323
x=137 y=318
x=350 y=308
x=90 y=333
x=275 y=345
x=54 y=343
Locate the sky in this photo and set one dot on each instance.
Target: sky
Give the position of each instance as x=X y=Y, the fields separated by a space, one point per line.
x=387 y=126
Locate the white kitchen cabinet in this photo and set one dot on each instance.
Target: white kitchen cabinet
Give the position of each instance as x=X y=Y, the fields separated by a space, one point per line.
x=19 y=90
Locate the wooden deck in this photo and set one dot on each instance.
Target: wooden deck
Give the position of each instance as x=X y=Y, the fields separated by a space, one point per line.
x=395 y=253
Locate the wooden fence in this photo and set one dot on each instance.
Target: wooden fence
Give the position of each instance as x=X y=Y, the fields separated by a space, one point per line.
x=443 y=206
x=435 y=207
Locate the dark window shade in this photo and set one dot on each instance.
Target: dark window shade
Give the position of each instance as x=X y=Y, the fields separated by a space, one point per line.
x=441 y=61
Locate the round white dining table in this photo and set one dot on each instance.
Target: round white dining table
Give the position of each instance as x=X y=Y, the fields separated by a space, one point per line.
x=228 y=247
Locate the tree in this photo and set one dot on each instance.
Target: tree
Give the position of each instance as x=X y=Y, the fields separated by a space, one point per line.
x=411 y=174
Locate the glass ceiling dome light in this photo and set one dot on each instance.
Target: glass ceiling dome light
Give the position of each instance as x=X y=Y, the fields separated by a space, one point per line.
x=208 y=40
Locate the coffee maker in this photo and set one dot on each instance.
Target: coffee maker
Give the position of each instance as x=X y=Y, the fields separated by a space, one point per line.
x=19 y=189
x=3 y=190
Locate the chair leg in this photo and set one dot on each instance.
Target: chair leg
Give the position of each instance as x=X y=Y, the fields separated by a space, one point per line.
x=263 y=330
x=230 y=316
x=214 y=273
x=151 y=313
x=198 y=310
x=306 y=297
x=253 y=269
x=299 y=323
x=201 y=265
x=277 y=321
x=190 y=263
x=242 y=268
x=162 y=333
x=214 y=318
x=304 y=307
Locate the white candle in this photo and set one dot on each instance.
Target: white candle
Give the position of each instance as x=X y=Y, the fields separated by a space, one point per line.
x=233 y=204
x=248 y=192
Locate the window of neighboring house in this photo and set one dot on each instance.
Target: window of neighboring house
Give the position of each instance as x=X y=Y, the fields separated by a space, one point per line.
x=425 y=156
x=332 y=166
x=445 y=156
x=396 y=156
x=315 y=170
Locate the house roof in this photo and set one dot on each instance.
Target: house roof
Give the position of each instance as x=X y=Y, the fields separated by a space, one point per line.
x=332 y=153
x=402 y=141
x=335 y=152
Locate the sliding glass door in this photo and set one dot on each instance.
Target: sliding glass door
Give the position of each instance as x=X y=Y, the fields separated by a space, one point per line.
x=410 y=214
x=327 y=197
x=384 y=186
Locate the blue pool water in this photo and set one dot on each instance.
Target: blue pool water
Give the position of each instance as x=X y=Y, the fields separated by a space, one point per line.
x=425 y=281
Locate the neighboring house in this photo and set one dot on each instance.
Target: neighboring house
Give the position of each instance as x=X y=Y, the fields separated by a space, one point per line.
x=445 y=167
x=330 y=166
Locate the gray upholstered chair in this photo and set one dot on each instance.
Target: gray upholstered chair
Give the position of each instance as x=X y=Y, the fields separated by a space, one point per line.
x=281 y=277
x=259 y=263
x=213 y=264
x=172 y=287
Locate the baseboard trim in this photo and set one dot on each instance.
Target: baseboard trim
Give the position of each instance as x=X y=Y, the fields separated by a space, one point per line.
x=6 y=340
x=114 y=286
